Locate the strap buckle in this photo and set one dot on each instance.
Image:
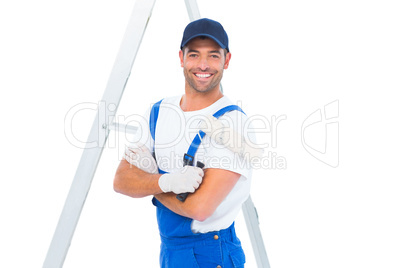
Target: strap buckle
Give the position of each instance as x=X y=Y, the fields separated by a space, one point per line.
x=188 y=160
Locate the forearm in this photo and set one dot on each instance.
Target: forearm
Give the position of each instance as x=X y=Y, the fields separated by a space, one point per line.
x=190 y=208
x=134 y=182
x=201 y=204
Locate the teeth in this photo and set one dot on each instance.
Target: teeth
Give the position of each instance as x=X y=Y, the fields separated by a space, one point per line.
x=203 y=75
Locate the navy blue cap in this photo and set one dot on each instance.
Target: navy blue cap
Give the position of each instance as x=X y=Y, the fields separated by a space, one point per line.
x=208 y=28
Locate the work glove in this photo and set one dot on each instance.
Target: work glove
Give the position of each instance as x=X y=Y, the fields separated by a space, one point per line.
x=139 y=156
x=186 y=180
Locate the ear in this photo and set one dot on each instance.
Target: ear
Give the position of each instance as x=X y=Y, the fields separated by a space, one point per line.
x=181 y=58
x=227 y=60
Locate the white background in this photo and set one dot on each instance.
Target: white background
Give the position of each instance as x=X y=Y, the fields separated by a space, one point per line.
x=289 y=58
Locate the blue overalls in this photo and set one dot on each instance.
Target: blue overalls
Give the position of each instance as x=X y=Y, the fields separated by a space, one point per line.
x=180 y=247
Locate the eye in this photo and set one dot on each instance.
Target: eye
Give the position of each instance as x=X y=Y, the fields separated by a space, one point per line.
x=193 y=55
x=215 y=56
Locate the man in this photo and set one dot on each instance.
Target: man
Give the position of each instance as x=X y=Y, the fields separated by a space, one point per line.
x=198 y=232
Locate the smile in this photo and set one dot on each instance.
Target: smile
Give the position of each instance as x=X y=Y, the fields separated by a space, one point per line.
x=203 y=75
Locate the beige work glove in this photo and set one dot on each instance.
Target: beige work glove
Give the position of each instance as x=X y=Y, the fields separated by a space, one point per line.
x=139 y=156
x=186 y=180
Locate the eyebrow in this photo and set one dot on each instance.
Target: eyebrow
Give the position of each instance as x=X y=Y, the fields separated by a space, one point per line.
x=196 y=51
x=193 y=51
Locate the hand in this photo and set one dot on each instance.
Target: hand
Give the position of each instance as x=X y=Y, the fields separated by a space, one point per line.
x=185 y=180
x=139 y=156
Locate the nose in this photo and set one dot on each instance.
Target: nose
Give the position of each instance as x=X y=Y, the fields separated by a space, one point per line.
x=203 y=63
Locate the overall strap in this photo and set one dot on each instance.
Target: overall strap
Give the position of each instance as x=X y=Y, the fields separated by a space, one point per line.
x=192 y=150
x=226 y=109
x=153 y=118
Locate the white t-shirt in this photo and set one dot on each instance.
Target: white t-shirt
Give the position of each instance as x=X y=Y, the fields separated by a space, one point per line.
x=175 y=130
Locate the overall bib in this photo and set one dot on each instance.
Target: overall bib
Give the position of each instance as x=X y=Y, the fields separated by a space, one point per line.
x=180 y=247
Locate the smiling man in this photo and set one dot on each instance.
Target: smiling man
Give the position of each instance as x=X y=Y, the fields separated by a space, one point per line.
x=173 y=158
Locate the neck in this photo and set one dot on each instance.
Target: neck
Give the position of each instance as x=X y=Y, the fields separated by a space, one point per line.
x=194 y=101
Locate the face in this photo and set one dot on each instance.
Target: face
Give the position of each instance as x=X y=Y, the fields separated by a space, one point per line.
x=203 y=62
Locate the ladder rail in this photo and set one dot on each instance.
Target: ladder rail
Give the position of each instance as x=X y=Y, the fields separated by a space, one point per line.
x=90 y=157
x=253 y=227
x=192 y=9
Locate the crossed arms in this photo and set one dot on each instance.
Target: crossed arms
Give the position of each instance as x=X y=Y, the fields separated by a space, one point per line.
x=216 y=185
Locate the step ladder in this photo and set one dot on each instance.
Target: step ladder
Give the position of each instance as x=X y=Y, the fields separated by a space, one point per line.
x=101 y=127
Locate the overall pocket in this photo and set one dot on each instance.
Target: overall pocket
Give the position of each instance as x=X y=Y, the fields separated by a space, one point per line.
x=179 y=258
x=238 y=258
